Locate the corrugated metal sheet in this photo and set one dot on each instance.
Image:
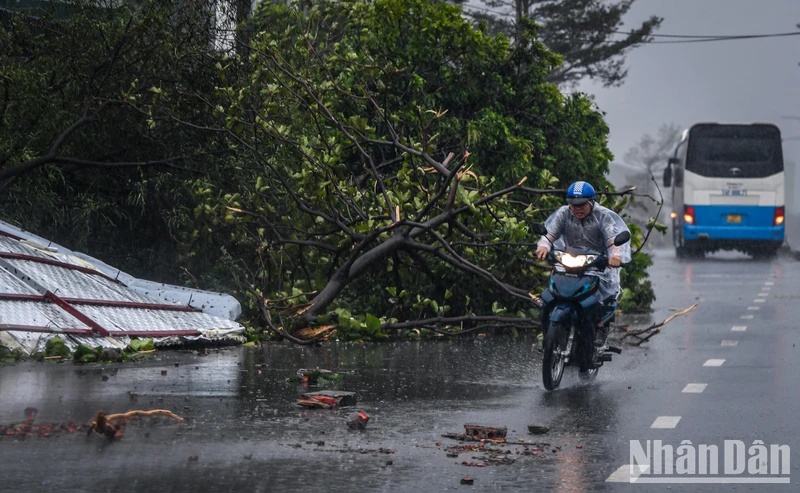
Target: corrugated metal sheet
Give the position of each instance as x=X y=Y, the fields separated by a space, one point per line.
x=10 y=284
x=74 y=284
x=218 y=304
x=135 y=319
x=38 y=314
x=14 y=246
x=45 y=292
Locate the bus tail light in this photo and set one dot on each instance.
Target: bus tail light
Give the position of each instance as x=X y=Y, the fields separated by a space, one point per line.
x=779 y=216
x=688 y=214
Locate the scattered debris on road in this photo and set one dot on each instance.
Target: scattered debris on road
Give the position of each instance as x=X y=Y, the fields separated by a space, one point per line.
x=29 y=428
x=467 y=480
x=327 y=399
x=538 y=430
x=497 y=452
x=104 y=425
x=332 y=447
x=358 y=420
x=486 y=432
x=316 y=376
x=477 y=433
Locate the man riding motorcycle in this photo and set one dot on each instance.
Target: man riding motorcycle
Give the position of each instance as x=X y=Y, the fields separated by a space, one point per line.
x=585 y=224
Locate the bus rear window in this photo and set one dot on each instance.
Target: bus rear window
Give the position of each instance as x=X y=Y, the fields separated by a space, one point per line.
x=735 y=155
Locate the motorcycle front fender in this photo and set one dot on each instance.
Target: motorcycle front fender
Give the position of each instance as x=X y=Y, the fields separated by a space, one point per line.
x=562 y=312
x=590 y=302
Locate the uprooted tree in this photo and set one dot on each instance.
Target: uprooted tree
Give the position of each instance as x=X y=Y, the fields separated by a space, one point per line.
x=392 y=160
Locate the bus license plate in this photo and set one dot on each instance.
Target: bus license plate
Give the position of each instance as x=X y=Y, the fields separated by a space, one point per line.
x=734 y=218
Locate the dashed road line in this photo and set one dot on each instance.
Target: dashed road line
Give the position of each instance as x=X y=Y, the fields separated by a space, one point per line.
x=665 y=422
x=694 y=388
x=627 y=473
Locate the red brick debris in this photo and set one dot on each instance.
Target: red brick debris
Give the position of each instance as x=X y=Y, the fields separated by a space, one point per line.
x=29 y=428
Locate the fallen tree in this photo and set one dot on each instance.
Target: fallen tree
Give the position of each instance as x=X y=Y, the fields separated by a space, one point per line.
x=391 y=160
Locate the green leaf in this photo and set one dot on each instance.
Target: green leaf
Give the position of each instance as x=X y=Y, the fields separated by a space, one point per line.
x=373 y=324
x=142 y=345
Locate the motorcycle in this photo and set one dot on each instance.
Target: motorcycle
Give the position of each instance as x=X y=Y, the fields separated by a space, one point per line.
x=571 y=309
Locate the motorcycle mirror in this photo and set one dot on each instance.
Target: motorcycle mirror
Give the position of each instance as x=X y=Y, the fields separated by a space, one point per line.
x=539 y=228
x=622 y=238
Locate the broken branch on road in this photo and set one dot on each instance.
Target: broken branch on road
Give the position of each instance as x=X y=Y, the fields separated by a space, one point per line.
x=103 y=424
x=644 y=335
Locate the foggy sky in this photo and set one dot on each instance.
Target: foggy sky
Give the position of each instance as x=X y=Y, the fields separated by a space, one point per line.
x=726 y=81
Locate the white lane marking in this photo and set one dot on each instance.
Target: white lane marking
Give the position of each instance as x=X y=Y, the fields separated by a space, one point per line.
x=754 y=308
x=759 y=300
x=769 y=283
x=714 y=362
x=766 y=288
x=729 y=343
x=747 y=317
x=666 y=422
x=694 y=388
x=762 y=295
x=739 y=328
x=627 y=473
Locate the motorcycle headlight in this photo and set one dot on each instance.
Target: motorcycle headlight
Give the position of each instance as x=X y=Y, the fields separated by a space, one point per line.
x=568 y=260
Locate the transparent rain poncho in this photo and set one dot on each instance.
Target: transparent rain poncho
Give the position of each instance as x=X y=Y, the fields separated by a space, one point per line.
x=596 y=232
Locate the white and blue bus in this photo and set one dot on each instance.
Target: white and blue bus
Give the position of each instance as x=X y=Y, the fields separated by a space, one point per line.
x=728 y=189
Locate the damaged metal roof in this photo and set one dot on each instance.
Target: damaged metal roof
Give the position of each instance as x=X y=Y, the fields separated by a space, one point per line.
x=48 y=290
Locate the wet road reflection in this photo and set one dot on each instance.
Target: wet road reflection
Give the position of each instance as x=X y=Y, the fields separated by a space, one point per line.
x=241 y=414
x=248 y=434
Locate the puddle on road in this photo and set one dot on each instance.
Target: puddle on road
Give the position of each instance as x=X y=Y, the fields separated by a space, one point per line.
x=253 y=383
x=241 y=414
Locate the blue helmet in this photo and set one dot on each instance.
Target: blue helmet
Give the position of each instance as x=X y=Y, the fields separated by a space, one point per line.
x=580 y=192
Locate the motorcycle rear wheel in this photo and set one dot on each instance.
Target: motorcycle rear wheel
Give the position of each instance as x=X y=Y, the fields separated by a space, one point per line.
x=553 y=361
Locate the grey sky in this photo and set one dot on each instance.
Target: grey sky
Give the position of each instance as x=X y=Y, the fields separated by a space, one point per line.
x=731 y=81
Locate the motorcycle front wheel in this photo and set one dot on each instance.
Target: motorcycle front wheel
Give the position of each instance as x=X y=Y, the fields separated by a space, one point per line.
x=554 y=359
x=590 y=371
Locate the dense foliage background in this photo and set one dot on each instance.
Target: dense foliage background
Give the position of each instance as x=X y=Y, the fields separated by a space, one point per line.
x=374 y=166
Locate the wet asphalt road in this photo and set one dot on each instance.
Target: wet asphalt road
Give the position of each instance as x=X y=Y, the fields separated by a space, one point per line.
x=247 y=434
